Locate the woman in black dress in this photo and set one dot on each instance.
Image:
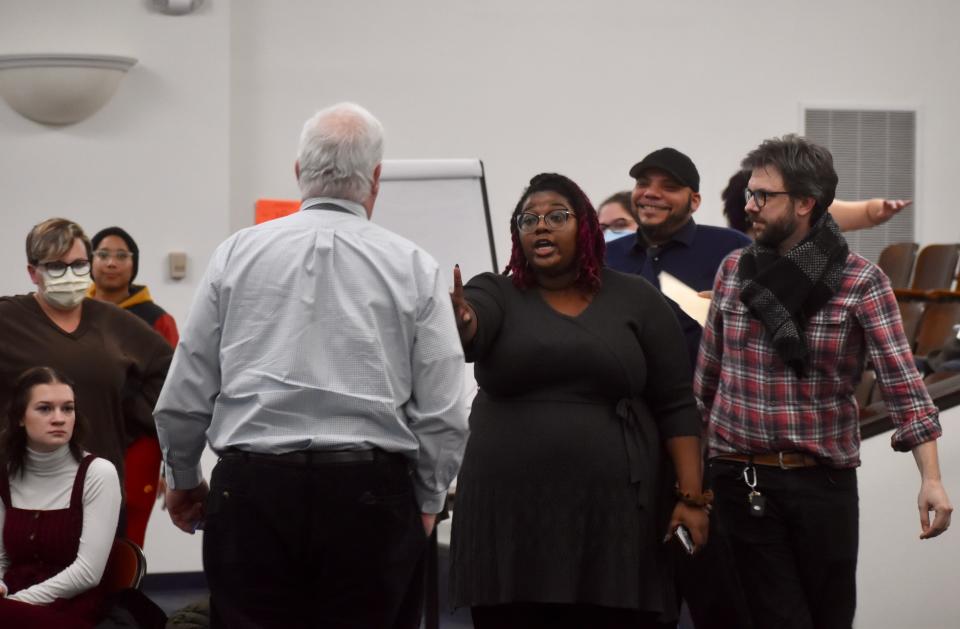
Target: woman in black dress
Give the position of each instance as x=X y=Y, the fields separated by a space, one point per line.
x=584 y=421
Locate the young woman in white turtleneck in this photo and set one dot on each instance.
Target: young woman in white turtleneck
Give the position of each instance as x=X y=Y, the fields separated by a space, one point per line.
x=45 y=481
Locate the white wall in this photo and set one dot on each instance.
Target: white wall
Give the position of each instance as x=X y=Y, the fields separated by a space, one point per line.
x=901 y=580
x=588 y=89
x=154 y=160
x=208 y=121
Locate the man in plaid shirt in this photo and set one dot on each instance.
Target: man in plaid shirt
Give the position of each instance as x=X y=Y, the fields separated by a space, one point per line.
x=792 y=319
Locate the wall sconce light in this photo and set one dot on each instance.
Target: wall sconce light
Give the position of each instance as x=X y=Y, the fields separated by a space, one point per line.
x=60 y=89
x=176 y=7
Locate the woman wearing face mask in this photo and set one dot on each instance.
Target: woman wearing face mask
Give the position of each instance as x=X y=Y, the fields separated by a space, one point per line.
x=117 y=362
x=616 y=218
x=58 y=509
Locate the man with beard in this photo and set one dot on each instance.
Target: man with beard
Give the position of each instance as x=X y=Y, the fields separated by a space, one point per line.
x=666 y=194
x=792 y=318
x=664 y=198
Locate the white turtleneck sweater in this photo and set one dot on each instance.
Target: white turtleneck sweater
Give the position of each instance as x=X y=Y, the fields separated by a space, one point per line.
x=46 y=484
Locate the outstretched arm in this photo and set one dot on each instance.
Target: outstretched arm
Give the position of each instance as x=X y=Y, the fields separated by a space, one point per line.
x=853 y=215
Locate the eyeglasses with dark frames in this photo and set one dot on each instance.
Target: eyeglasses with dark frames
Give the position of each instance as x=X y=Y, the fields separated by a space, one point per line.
x=760 y=197
x=552 y=220
x=57 y=268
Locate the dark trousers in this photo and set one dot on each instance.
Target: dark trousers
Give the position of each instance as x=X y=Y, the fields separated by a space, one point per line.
x=297 y=546
x=710 y=584
x=561 y=616
x=798 y=562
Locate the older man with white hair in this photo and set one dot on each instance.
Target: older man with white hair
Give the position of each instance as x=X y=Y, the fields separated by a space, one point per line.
x=321 y=362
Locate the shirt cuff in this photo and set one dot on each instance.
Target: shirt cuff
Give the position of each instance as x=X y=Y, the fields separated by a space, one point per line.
x=430 y=502
x=909 y=435
x=183 y=479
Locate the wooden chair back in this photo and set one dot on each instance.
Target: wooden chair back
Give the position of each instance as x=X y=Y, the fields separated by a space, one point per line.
x=125 y=566
x=897 y=262
x=936 y=267
x=937 y=326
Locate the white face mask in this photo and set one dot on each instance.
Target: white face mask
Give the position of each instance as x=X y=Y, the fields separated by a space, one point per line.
x=64 y=292
x=610 y=234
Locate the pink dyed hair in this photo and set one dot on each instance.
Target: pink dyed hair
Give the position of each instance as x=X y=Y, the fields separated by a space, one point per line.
x=590 y=243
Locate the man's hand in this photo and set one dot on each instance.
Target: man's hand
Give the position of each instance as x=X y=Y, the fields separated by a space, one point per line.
x=695 y=519
x=429 y=520
x=186 y=507
x=933 y=497
x=879 y=211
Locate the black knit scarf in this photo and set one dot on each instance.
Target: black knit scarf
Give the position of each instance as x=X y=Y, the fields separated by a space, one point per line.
x=783 y=292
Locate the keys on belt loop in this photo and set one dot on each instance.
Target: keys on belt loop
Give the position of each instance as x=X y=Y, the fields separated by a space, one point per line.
x=756 y=500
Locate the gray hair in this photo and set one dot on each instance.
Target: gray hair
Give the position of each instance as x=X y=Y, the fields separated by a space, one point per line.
x=340 y=147
x=807 y=169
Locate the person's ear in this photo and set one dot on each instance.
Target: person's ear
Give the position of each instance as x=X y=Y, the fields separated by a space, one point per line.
x=803 y=206
x=34 y=274
x=375 y=188
x=296 y=169
x=694 y=201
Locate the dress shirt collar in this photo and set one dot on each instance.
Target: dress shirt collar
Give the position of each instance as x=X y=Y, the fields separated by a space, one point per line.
x=685 y=236
x=351 y=207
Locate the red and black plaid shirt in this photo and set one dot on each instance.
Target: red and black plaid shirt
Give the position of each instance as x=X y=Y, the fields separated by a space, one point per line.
x=753 y=403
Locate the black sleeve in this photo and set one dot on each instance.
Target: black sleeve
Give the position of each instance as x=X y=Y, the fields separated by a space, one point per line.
x=485 y=294
x=669 y=387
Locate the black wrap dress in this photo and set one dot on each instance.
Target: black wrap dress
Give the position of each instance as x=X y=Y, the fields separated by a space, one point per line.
x=565 y=490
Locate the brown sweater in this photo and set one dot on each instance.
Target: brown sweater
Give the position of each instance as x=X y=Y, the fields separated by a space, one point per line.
x=117 y=362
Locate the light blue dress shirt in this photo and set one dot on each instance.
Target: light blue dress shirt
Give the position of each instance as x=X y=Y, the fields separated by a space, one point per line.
x=318 y=331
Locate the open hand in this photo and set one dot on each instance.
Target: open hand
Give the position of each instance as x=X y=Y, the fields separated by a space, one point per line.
x=880 y=211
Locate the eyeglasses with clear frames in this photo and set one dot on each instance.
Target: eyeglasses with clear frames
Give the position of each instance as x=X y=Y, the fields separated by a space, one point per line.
x=119 y=255
x=57 y=268
x=552 y=220
x=760 y=197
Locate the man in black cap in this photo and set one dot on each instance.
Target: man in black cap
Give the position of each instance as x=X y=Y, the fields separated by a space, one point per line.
x=666 y=194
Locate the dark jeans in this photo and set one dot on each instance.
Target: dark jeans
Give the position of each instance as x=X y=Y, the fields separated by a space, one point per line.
x=296 y=546
x=709 y=582
x=561 y=616
x=798 y=562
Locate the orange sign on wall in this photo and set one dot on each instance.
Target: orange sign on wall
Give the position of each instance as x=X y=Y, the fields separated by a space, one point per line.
x=269 y=209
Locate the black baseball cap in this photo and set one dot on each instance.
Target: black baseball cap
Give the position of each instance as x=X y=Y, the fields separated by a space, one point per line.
x=672 y=162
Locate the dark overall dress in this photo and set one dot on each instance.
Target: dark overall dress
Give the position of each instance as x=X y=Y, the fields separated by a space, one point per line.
x=39 y=544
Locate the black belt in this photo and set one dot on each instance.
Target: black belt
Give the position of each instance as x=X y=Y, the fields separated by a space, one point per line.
x=318 y=457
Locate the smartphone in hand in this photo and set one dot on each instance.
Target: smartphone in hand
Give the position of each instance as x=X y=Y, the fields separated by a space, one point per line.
x=683 y=536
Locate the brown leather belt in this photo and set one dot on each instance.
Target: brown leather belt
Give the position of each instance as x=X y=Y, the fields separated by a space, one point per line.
x=783 y=460
x=318 y=457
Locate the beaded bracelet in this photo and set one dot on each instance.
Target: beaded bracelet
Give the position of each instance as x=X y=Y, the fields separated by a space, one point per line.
x=702 y=501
